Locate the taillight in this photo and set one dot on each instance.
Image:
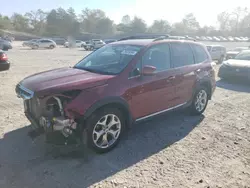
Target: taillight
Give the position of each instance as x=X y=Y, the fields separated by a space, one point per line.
x=3 y=57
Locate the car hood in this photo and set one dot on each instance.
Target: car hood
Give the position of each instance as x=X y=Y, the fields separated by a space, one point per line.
x=237 y=63
x=63 y=79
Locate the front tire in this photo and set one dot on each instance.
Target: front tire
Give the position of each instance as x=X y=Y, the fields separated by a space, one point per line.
x=200 y=101
x=51 y=46
x=104 y=129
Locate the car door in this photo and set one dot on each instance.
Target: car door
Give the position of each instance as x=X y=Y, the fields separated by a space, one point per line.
x=155 y=93
x=42 y=43
x=185 y=69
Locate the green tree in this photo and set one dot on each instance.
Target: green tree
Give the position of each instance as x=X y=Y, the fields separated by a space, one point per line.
x=5 y=22
x=37 y=21
x=19 y=22
x=160 y=26
x=138 y=25
x=96 y=21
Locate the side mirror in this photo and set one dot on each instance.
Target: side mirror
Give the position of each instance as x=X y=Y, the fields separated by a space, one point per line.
x=148 y=70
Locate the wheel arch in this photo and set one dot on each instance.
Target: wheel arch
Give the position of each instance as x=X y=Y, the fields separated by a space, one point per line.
x=114 y=102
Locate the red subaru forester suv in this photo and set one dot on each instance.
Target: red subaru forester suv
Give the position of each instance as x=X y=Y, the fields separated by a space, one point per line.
x=124 y=82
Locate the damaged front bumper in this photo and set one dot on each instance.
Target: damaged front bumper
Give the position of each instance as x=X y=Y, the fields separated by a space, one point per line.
x=56 y=131
x=55 y=126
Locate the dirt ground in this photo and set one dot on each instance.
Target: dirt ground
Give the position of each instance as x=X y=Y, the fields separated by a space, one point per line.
x=175 y=150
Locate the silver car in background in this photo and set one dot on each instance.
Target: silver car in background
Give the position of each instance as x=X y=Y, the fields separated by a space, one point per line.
x=29 y=43
x=217 y=52
x=43 y=43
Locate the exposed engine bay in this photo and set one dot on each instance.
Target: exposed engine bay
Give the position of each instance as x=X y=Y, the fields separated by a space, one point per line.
x=49 y=116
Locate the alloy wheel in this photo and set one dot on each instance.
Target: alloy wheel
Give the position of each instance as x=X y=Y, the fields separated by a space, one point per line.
x=201 y=100
x=106 y=131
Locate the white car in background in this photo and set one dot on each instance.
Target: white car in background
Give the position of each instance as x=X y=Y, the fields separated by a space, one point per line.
x=77 y=43
x=217 y=52
x=43 y=43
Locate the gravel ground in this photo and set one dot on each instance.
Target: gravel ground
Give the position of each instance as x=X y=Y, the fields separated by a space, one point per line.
x=174 y=150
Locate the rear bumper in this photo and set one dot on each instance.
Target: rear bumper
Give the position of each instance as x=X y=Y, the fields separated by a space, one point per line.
x=4 y=66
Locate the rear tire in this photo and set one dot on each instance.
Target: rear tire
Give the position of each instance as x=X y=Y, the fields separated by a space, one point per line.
x=200 y=101
x=104 y=129
x=51 y=46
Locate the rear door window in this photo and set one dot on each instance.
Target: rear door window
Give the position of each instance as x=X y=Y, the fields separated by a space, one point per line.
x=181 y=54
x=200 y=53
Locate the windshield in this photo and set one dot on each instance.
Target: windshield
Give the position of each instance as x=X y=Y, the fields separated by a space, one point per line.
x=110 y=59
x=243 y=56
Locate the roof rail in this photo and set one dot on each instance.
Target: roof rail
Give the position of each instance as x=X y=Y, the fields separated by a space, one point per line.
x=143 y=36
x=174 y=38
x=161 y=38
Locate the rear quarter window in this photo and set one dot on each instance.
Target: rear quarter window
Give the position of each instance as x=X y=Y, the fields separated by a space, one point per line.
x=200 y=53
x=181 y=54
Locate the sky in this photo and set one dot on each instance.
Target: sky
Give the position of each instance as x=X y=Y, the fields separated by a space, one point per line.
x=149 y=10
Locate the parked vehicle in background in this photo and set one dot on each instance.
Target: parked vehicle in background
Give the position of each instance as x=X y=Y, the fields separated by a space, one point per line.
x=223 y=39
x=5 y=45
x=231 y=39
x=216 y=39
x=209 y=38
x=107 y=41
x=94 y=44
x=198 y=38
x=59 y=41
x=88 y=103
x=231 y=54
x=238 y=39
x=203 y=38
x=80 y=44
x=43 y=43
x=8 y=38
x=217 y=52
x=98 y=44
x=237 y=68
x=77 y=43
x=88 y=46
x=4 y=63
x=29 y=43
